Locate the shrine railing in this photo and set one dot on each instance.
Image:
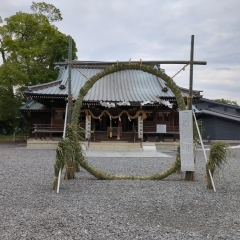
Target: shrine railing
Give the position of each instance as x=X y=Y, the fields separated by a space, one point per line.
x=152 y=129
x=44 y=130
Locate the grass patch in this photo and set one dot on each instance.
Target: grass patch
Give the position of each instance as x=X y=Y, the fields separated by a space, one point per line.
x=10 y=138
x=6 y=138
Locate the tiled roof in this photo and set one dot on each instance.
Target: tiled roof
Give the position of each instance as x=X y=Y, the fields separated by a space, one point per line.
x=220 y=103
x=127 y=85
x=33 y=106
x=221 y=114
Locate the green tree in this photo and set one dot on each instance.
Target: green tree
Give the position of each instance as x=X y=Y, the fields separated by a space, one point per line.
x=226 y=101
x=29 y=46
x=51 y=12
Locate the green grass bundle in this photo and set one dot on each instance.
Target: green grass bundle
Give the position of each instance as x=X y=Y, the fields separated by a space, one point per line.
x=59 y=164
x=219 y=152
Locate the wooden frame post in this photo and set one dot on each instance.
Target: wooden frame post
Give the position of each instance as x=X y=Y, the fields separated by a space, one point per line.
x=190 y=175
x=69 y=109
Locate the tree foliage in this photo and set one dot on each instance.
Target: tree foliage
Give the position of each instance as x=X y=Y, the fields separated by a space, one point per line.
x=51 y=12
x=29 y=46
x=9 y=105
x=226 y=101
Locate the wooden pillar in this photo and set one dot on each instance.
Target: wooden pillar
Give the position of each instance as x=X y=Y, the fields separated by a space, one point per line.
x=124 y=122
x=119 y=129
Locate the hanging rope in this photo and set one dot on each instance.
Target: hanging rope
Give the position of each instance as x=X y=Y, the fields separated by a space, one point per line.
x=138 y=113
x=79 y=70
x=182 y=69
x=189 y=98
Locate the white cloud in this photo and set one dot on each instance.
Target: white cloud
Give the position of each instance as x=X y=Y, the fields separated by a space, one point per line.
x=153 y=29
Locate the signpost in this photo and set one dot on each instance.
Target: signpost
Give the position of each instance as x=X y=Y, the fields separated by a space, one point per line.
x=186 y=140
x=161 y=128
x=88 y=127
x=140 y=127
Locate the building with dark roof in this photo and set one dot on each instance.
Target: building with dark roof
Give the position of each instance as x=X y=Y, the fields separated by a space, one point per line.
x=124 y=94
x=219 y=121
x=113 y=104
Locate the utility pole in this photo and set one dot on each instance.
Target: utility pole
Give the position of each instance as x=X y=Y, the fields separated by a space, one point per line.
x=190 y=175
x=69 y=107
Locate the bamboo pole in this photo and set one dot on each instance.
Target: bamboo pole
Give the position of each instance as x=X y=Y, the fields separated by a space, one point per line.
x=69 y=81
x=200 y=137
x=65 y=121
x=59 y=176
x=191 y=74
x=68 y=112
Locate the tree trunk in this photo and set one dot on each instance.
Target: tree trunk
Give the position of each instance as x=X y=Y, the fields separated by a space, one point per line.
x=3 y=55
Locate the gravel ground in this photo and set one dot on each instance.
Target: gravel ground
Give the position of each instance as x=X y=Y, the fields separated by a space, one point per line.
x=87 y=208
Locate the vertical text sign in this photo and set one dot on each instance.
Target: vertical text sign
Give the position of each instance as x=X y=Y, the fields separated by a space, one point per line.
x=88 y=127
x=140 y=127
x=186 y=140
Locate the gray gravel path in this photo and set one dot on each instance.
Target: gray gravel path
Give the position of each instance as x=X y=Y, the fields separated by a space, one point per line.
x=87 y=208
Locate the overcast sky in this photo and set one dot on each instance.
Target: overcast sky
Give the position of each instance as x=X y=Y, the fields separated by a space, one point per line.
x=111 y=30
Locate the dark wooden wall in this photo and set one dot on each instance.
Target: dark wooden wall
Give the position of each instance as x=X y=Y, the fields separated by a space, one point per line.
x=219 y=128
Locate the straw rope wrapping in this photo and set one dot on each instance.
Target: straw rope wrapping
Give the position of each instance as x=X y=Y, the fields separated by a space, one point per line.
x=138 y=113
x=68 y=154
x=59 y=165
x=79 y=158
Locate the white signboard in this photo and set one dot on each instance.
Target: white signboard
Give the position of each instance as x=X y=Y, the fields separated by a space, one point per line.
x=186 y=140
x=88 y=127
x=161 y=128
x=140 y=127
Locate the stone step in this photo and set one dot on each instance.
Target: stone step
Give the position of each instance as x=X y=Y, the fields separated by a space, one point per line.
x=109 y=145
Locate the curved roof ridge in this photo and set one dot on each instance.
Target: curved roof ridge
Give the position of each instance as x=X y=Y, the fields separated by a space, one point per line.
x=43 y=85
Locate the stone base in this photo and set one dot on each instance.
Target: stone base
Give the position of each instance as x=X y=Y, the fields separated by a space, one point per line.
x=105 y=145
x=167 y=145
